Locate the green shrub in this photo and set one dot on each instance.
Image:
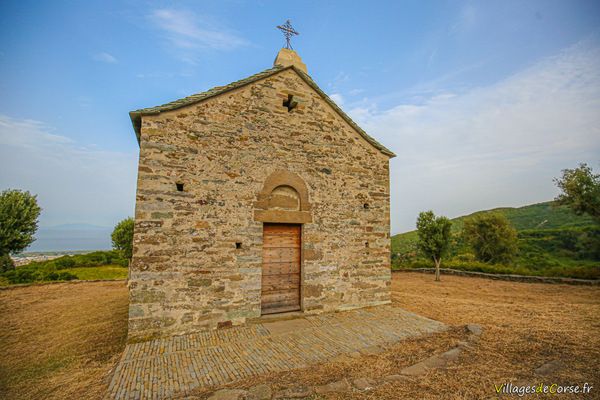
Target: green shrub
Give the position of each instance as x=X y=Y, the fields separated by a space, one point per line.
x=465 y=257
x=64 y=262
x=492 y=237
x=6 y=263
x=30 y=275
x=57 y=269
x=538 y=261
x=588 y=246
x=581 y=272
x=20 y=275
x=415 y=263
x=65 y=276
x=94 y=259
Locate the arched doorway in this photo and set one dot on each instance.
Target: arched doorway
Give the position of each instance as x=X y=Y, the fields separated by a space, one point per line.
x=283 y=207
x=281 y=268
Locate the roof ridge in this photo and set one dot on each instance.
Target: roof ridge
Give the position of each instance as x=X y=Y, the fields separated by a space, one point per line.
x=197 y=97
x=343 y=114
x=184 y=101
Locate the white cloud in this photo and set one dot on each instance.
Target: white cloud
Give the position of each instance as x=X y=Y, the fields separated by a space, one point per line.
x=337 y=98
x=492 y=146
x=74 y=184
x=105 y=58
x=341 y=77
x=185 y=30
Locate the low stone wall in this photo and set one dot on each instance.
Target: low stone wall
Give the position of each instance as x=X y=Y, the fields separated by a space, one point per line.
x=502 y=277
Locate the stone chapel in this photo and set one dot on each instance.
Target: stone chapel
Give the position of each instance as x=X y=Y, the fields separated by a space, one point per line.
x=258 y=197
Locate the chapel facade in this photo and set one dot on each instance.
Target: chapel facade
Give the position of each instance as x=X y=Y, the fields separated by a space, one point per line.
x=254 y=198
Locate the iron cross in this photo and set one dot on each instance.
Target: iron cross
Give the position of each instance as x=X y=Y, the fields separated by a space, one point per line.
x=288 y=32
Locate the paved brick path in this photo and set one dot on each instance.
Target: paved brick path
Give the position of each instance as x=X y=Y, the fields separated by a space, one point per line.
x=161 y=368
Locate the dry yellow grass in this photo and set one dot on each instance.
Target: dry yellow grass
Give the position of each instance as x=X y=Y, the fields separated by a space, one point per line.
x=60 y=341
x=525 y=326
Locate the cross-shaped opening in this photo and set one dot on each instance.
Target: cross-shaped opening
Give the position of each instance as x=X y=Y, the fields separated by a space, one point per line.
x=290 y=103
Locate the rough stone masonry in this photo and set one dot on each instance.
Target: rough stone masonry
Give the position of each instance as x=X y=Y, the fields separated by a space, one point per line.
x=216 y=167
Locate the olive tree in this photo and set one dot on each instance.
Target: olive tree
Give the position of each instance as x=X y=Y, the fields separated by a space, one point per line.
x=492 y=238
x=122 y=237
x=580 y=190
x=19 y=214
x=433 y=237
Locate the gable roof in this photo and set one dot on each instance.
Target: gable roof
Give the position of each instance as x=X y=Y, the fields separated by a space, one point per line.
x=136 y=116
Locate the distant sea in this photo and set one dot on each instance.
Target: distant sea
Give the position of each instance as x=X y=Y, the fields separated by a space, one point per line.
x=72 y=237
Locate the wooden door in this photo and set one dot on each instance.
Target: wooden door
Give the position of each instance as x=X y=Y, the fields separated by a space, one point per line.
x=281 y=268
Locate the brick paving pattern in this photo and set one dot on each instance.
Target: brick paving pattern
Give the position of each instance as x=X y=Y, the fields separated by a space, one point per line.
x=162 y=368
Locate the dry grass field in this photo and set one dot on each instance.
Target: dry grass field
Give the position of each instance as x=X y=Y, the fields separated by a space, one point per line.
x=60 y=341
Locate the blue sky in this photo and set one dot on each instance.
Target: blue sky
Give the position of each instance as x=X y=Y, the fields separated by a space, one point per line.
x=483 y=102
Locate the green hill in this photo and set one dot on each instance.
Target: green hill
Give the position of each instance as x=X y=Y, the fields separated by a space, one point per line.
x=552 y=240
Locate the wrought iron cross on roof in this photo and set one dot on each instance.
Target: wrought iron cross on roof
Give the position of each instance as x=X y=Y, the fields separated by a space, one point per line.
x=288 y=32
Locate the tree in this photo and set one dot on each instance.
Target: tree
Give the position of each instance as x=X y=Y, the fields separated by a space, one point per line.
x=492 y=238
x=434 y=237
x=19 y=214
x=580 y=190
x=6 y=263
x=122 y=237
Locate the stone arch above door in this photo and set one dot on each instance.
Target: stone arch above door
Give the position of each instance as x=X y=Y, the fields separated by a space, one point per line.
x=283 y=198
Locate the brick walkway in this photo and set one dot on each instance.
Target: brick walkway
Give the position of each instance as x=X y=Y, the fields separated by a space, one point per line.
x=162 y=368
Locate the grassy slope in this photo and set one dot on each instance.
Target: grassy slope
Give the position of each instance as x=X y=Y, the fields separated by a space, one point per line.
x=534 y=216
x=540 y=229
x=84 y=266
x=104 y=272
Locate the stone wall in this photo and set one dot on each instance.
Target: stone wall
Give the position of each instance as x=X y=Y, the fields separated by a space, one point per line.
x=187 y=274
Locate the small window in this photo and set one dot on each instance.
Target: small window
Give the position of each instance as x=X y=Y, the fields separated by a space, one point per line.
x=366 y=206
x=290 y=103
x=179 y=187
x=367 y=245
x=238 y=245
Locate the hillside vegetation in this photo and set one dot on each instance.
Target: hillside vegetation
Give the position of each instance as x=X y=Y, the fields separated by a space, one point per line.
x=88 y=266
x=553 y=241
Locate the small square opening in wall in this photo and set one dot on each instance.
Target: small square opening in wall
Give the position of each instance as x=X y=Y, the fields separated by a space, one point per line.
x=238 y=245
x=367 y=245
x=366 y=206
x=179 y=187
x=290 y=103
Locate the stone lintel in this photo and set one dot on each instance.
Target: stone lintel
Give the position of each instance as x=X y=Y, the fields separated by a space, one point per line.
x=282 y=216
